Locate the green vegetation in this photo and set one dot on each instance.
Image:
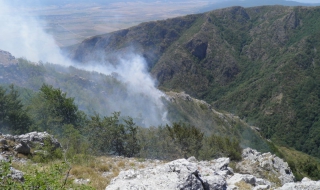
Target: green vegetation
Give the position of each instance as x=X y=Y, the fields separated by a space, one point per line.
x=51 y=110
x=261 y=63
x=83 y=137
x=109 y=135
x=187 y=138
x=300 y=163
x=13 y=117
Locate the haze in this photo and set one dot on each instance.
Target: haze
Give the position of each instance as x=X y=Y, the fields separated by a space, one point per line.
x=71 y=21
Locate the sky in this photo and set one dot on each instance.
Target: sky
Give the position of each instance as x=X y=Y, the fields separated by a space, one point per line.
x=32 y=2
x=309 y=1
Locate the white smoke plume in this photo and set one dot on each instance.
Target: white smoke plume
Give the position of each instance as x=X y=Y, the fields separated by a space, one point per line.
x=23 y=36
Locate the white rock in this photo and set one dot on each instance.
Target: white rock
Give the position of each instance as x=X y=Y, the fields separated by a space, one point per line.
x=173 y=175
x=16 y=174
x=303 y=185
x=261 y=187
x=236 y=178
x=258 y=164
x=81 y=181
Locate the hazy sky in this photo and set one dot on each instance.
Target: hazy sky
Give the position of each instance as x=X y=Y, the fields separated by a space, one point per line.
x=309 y=1
x=31 y=2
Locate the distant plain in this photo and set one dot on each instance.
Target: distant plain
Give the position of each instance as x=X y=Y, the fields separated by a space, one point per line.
x=70 y=24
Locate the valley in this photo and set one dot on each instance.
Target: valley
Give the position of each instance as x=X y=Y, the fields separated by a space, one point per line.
x=235 y=88
x=259 y=63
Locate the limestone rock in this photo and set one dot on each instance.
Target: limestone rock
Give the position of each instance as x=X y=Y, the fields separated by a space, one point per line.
x=236 y=178
x=37 y=138
x=265 y=165
x=16 y=174
x=23 y=148
x=261 y=187
x=3 y=141
x=81 y=181
x=178 y=174
x=8 y=137
x=193 y=182
x=305 y=184
x=191 y=174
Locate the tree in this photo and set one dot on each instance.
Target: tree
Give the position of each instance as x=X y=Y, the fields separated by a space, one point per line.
x=215 y=146
x=13 y=116
x=51 y=109
x=188 y=138
x=110 y=135
x=132 y=146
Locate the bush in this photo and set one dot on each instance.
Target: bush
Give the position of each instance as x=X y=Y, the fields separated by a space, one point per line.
x=216 y=146
x=187 y=138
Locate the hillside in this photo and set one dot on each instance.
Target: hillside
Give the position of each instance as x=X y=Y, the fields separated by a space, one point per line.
x=260 y=63
x=96 y=93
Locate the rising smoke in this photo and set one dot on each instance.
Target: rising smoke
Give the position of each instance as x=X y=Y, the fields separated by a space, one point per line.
x=22 y=35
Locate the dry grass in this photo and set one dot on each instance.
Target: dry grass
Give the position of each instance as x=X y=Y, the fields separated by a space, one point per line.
x=243 y=185
x=121 y=164
x=99 y=170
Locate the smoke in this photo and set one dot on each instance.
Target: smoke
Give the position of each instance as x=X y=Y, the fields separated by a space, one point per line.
x=22 y=35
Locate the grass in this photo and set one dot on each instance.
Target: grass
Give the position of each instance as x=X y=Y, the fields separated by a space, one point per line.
x=243 y=185
x=99 y=170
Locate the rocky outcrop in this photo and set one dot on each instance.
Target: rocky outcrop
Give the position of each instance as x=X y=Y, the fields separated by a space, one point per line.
x=11 y=145
x=187 y=174
x=198 y=48
x=305 y=184
x=265 y=165
x=7 y=59
x=30 y=143
x=23 y=148
x=257 y=171
x=37 y=138
x=178 y=174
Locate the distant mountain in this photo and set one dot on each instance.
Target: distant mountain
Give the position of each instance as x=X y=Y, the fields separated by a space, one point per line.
x=66 y=2
x=252 y=3
x=209 y=7
x=260 y=63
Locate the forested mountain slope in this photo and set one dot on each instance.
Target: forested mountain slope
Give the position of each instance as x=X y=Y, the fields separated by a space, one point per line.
x=96 y=93
x=261 y=63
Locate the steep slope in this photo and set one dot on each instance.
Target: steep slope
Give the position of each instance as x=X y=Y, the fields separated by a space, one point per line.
x=260 y=63
x=96 y=93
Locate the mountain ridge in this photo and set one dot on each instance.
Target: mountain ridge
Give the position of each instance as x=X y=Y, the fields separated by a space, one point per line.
x=259 y=63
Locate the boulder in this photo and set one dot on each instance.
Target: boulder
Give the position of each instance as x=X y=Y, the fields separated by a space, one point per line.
x=23 y=148
x=34 y=140
x=16 y=174
x=37 y=138
x=2 y=158
x=3 y=142
x=236 y=178
x=8 y=137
